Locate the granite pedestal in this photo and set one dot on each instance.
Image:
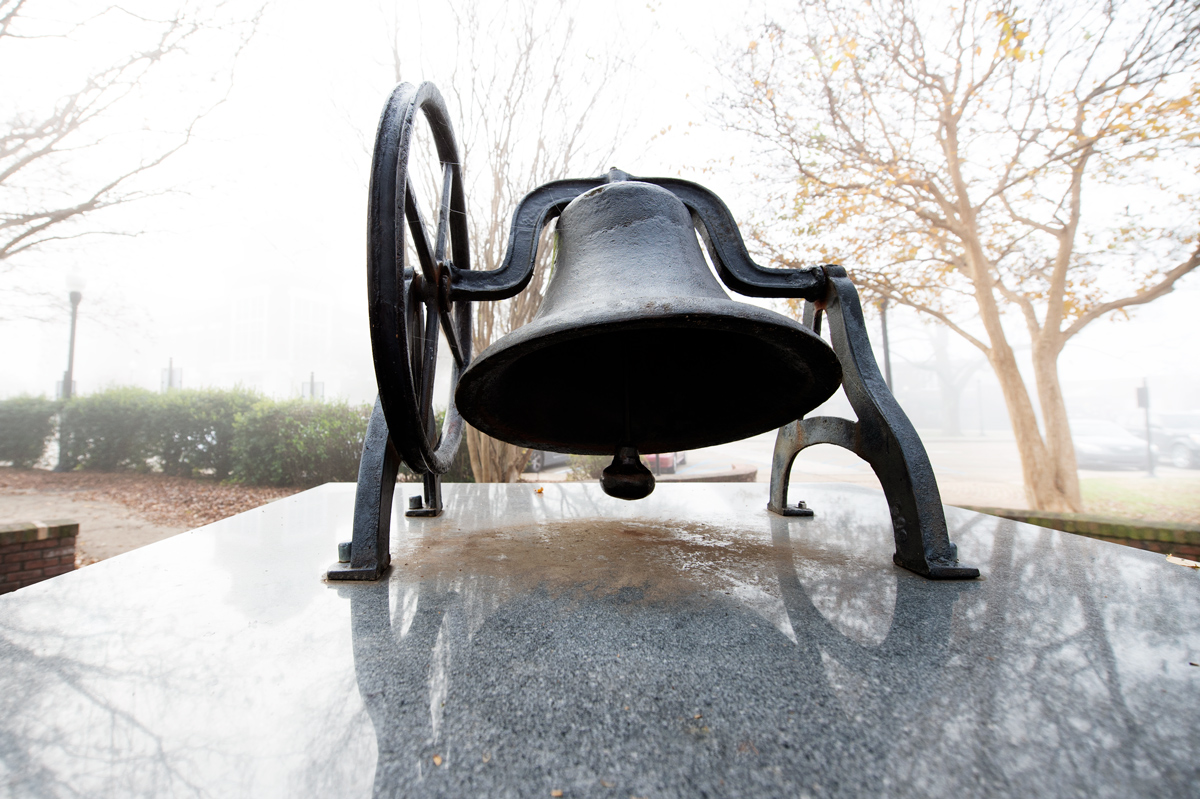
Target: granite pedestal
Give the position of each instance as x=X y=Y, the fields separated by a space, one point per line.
x=527 y=642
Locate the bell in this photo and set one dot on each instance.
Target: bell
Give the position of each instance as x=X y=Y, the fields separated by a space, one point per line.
x=637 y=348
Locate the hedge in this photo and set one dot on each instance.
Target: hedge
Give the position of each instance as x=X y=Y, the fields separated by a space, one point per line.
x=298 y=443
x=26 y=424
x=301 y=443
x=229 y=435
x=111 y=430
x=192 y=431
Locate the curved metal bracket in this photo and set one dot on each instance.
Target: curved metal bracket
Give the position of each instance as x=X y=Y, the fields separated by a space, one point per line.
x=370 y=550
x=793 y=438
x=883 y=437
x=370 y=546
x=710 y=215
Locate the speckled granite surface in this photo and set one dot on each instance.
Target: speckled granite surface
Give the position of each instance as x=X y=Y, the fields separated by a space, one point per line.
x=687 y=645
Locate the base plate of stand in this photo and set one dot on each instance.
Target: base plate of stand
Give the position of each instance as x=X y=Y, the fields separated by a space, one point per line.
x=799 y=509
x=423 y=512
x=344 y=571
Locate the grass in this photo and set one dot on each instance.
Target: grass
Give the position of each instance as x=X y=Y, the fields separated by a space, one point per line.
x=1162 y=499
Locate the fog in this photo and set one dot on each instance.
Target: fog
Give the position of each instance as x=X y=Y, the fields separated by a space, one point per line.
x=250 y=269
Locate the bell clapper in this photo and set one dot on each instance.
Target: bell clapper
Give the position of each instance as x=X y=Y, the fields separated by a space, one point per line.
x=626 y=477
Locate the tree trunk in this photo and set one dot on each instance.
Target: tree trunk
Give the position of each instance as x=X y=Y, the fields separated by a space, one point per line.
x=1060 y=450
x=494 y=461
x=1041 y=476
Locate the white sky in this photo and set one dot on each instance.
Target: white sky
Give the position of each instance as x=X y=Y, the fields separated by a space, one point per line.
x=273 y=194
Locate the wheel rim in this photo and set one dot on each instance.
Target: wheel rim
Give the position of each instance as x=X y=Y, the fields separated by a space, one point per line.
x=408 y=306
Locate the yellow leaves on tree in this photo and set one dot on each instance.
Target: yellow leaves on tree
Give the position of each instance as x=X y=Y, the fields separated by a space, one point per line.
x=968 y=162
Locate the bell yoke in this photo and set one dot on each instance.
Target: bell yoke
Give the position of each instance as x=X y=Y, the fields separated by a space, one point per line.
x=631 y=302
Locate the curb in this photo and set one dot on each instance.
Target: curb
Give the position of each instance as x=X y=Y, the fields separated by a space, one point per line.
x=737 y=473
x=1166 y=537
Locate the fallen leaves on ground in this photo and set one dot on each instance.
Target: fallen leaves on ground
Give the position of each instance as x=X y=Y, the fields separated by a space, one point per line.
x=169 y=501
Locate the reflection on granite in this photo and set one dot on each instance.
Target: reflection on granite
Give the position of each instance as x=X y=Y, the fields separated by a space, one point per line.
x=691 y=644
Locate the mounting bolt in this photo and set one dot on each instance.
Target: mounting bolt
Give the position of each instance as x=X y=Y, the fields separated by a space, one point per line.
x=344 y=552
x=414 y=502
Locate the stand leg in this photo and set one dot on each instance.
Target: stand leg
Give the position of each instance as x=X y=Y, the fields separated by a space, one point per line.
x=883 y=437
x=429 y=502
x=370 y=549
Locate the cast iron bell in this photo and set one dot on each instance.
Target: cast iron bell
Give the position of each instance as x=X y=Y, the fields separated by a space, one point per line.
x=637 y=346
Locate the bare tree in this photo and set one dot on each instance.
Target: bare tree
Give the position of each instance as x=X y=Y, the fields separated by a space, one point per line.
x=65 y=160
x=952 y=376
x=981 y=158
x=525 y=93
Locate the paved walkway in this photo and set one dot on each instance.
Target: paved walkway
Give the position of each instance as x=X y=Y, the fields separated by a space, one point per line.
x=105 y=528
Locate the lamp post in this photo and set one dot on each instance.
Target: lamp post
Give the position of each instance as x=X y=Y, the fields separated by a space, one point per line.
x=76 y=295
x=69 y=375
x=1143 y=398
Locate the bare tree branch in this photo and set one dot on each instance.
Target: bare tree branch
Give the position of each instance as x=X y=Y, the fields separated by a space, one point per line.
x=948 y=156
x=59 y=165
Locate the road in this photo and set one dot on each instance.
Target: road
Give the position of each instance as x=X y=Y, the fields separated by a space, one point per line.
x=971 y=470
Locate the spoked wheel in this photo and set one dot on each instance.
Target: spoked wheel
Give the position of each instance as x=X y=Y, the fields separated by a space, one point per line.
x=409 y=303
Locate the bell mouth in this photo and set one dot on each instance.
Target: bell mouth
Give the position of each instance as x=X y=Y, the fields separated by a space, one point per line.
x=661 y=380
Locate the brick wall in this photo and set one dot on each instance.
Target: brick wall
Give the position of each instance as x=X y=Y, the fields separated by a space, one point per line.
x=34 y=551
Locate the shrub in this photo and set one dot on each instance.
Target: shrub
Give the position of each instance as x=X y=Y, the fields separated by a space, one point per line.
x=298 y=443
x=191 y=431
x=587 y=467
x=26 y=424
x=110 y=430
x=226 y=434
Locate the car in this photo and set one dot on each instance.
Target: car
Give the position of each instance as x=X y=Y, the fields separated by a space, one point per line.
x=1102 y=444
x=1177 y=435
x=541 y=459
x=665 y=463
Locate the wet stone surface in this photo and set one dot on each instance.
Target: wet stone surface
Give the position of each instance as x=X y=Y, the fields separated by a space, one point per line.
x=687 y=645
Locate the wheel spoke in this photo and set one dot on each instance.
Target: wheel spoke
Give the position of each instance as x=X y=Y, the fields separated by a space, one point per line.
x=416 y=223
x=456 y=347
x=415 y=323
x=428 y=364
x=443 y=223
